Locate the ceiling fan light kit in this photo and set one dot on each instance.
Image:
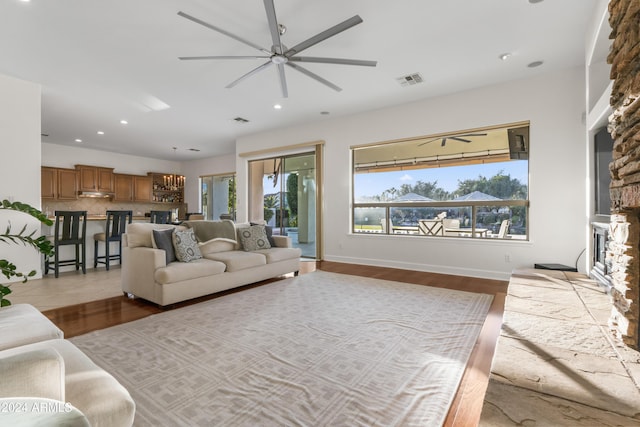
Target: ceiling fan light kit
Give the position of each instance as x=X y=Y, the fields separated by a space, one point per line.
x=279 y=55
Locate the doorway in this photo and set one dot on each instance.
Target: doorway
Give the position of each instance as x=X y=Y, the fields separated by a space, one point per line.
x=283 y=193
x=218 y=196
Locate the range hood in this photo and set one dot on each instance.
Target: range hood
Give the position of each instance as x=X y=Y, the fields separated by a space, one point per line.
x=95 y=194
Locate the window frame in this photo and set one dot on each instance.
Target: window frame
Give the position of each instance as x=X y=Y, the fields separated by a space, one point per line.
x=387 y=229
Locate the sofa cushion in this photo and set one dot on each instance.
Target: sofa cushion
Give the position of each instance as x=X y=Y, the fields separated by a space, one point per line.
x=239 y=260
x=280 y=254
x=179 y=271
x=254 y=237
x=186 y=246
x=207 y=230
x=163 y=239
x=217 y=245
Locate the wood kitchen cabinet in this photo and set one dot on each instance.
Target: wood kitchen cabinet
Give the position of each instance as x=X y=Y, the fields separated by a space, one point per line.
x=141 y=188
x=58 y=184
x=123 y=186
x=94 y=178
x=48 y=183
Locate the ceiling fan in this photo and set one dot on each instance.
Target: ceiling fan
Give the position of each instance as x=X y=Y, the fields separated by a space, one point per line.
x=279 y=54
x=455 y=138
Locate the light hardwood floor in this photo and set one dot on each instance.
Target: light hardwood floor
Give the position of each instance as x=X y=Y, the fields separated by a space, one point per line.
x=107 y=307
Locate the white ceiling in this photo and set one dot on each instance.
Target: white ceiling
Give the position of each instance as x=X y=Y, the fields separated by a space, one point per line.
x=100 y=61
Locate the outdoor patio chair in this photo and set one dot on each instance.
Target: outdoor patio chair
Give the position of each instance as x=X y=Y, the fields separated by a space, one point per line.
x=431 y=227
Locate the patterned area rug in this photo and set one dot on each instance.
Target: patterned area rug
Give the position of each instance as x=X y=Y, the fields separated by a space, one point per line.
x=321 y=349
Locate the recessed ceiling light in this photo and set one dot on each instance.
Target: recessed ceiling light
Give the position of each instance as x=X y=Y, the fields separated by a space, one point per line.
x=78 y=140
x=124 y=122
x=505 y=56
x=277 y=107
x=100 y=132
x=25 y=1
x=535 y=64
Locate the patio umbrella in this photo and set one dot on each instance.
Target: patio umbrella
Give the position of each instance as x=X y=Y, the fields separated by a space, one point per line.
x=413 y=197
x=476 y=196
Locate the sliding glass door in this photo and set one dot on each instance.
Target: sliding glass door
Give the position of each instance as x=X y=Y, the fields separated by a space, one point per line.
x=218 y=196
x=283 y=194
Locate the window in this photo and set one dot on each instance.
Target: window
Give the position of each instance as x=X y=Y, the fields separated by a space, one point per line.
x=468 y=184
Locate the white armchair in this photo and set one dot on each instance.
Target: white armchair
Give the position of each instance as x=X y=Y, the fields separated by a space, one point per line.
x=54 y=373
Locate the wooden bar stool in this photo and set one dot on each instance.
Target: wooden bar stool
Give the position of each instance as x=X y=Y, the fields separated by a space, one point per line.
x=115 y=227
x=69 y=229
x=161 y=217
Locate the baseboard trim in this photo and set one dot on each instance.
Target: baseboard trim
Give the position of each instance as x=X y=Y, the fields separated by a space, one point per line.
x=429 y=268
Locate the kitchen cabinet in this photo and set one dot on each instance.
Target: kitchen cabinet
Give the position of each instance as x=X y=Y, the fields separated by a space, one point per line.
x=48 y=183
x=94 y=178
x=58 y=184
x=123 y=186
x=67 y=184
x=141 y=188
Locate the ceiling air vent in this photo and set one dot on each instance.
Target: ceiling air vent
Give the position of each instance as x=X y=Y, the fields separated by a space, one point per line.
x=241 y=120
x=410 y=79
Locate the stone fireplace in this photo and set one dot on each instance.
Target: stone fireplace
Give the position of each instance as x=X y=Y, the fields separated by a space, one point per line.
x=623 y=249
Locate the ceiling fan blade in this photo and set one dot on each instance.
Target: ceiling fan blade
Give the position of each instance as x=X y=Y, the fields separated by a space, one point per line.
x=283 y=81
x=333 y=61
x=457 y=138
x=444 y=141
x=473 y=134
x=249 y=74
x=314 y=76
x=274 y=28
x=336 y=29
x=196 y=58
x=427 y=142
x=221 y=31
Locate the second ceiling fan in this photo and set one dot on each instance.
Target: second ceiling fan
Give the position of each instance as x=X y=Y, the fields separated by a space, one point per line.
x=279 y=54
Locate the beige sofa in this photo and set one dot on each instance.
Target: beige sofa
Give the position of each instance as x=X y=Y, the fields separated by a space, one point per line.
x=46 y=380
x=224 y=263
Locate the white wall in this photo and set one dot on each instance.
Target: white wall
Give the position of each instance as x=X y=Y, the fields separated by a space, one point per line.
x=193 y=170
x=20 y=171
x=554 y=105
x=20 y=140
x=63 y=156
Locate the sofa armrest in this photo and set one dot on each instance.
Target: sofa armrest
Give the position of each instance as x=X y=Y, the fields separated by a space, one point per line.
x=282 y=241
x=32 y=373
x=138 y=269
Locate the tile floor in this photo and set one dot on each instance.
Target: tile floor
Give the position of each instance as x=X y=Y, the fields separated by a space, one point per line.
x=68 y=289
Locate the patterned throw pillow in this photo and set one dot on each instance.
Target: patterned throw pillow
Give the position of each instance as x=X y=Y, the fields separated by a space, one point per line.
x=186 y=245
x=253 y=238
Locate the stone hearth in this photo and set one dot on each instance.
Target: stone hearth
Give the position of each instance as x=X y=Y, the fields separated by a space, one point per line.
x=624 y=127
x=556 y=363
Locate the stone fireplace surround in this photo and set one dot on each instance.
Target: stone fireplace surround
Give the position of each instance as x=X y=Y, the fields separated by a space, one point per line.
x=623 y=249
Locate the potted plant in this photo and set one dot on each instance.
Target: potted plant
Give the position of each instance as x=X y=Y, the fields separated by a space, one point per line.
x=40 y=243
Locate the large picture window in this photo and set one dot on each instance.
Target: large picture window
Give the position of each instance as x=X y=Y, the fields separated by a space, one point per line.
x=467 y=184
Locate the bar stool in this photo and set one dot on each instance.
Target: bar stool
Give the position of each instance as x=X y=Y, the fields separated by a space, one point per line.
x=69 y=229
x=161 y=217
x=115 y=227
